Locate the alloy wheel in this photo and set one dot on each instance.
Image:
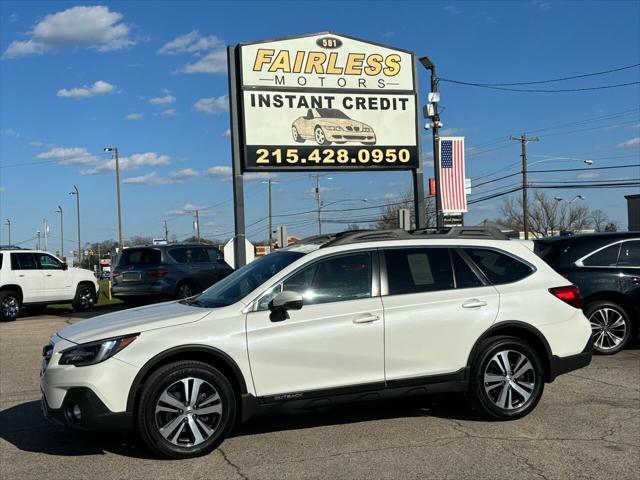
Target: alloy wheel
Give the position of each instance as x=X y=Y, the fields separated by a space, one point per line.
x=185 y=291
x=320 y=137
x=10 y=307
x=86 y=298
x=509 y=379
x=296 y=135
x=608 y=327
x=188 y=412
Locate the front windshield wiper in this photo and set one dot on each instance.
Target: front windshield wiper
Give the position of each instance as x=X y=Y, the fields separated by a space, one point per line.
x=193 y=301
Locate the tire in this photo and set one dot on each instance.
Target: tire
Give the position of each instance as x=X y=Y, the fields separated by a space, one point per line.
x=185 y=289
x=296 y=136
x=85 y=298
x=9 y=305
x=610 y=326
x=320 y=137
x=493 y=396
x=167 y=426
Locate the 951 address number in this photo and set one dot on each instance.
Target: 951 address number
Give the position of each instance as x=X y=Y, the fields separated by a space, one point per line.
x=353 y=157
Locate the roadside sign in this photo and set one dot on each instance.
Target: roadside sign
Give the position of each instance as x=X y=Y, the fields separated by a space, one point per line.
x=453 y=220
x=326 y=102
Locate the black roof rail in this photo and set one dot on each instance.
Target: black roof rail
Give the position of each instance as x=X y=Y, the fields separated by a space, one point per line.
x=463 y=232
x=10 y=247
x=354 y=236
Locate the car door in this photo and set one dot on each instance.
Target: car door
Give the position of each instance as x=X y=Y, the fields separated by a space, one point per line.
x=433 y=316
x=629 y=270
x=57 y=280
x=28 y=276
x=336 y=338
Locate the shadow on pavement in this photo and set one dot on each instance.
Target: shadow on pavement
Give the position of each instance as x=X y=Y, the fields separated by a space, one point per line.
x=25 y=427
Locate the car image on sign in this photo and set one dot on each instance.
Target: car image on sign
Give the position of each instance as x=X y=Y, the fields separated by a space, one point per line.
x=327 y=125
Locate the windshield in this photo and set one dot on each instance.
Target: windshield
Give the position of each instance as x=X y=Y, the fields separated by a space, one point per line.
x=332 y=113
x=246 y=279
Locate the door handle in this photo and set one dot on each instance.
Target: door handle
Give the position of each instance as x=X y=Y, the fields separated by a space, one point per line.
x=474 y=303
x=48 y=274
x=366 y=319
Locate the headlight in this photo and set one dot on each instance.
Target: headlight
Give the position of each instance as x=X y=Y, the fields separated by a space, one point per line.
x=333 y=127
x=95 y=352
x=366 y=129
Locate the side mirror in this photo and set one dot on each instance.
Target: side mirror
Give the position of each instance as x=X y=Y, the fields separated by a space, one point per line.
x=65 y=266
x=282 y=302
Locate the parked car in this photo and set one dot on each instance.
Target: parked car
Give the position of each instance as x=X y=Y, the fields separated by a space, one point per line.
x=35 y=279
x=606 y=268
x=167 y=271
x=364 y=315
x=326 y=125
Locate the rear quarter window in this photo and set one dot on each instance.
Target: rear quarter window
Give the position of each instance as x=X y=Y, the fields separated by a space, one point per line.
x=607 y=257
x=499 y=267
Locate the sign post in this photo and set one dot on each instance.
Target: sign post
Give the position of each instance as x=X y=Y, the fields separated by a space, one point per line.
x=322 y=102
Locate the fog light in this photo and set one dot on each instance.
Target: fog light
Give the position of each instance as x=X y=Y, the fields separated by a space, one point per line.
x=74 y=413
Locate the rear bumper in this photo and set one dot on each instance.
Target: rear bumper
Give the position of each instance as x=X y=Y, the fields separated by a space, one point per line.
x=560 y=365
x=94 y=414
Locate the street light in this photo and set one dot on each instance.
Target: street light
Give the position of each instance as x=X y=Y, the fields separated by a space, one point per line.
x=61 y=232
x=115 y=152
x=577 y=197
x=76 y=192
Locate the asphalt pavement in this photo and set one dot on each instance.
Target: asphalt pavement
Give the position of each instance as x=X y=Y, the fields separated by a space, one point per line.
x=587 y=425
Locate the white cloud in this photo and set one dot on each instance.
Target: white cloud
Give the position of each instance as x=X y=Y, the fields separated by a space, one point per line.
x=94 y=27
x=588 y=175
x=184 y=174
x=218 y=172
x=388 y=34
x=187 y=209
x=190 y=43
x=227 y=133
x=452 y=9
x=69 y=156
x=148 y=179
x=212 y=105
x=134 y=116
x=3 y=189
x=9 y=132
x=631 y=143
x=170 y=112
x=214 y=62
x=447 y=132
x=542 y=5
x=99 y=87
x=148 y=159
x=167 y=99
x=256 y=176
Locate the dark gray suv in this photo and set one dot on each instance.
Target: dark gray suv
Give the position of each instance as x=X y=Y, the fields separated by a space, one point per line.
x=167 y=271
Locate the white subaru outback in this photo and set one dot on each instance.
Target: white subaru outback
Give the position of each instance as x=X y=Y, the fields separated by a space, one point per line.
x=35 y=279
x=359 y=316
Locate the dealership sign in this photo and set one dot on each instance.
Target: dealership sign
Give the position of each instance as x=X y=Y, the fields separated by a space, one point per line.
x=325 y=102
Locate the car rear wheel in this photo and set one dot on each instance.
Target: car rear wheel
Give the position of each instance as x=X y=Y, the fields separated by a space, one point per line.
x=506 y=379
x=184 y=290
x=9 y=305
x=321 y=138
x=186 y=409
x=296 y=136
x=85 y=298
x=610 y=327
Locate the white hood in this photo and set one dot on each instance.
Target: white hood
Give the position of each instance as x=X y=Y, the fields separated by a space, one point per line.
x=133 y=320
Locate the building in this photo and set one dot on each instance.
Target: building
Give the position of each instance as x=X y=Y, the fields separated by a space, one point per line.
x=633 y=211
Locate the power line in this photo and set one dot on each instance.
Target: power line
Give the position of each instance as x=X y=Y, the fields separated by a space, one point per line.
x=537 y=90
x=593 y=74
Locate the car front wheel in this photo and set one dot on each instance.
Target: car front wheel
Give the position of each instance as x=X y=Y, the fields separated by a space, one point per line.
x=186 y=409
x=9 y=306
x=321 y=138
x=506 y=379
x=85 y=298
x=610 y=327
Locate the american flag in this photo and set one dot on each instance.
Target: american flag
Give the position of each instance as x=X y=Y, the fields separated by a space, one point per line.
x=452 y=185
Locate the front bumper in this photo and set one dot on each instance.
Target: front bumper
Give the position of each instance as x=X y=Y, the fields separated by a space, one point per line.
x=341 y=136
x=94 y=414
x=560 y=365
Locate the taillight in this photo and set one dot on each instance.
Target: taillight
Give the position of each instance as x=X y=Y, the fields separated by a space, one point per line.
x=115 y=274
x=157 y=272
x=569 y=294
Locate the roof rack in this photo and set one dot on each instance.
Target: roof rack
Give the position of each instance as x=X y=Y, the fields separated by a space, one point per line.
x=354 y=236
x=10 y=247
x=463 y=232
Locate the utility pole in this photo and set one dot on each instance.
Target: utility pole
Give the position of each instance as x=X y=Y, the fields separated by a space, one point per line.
x=115 y=154
x=198 y=225
x=270 y=219
x=61 y=232
x=8 y=224
x=166 y=232
x=319 y=202
x=523 y=139
x=38 y=240
x=77 y=194
x=45 y=232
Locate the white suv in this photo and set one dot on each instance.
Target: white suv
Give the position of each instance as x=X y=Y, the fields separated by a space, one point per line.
x=34 y=279
x=361 y=316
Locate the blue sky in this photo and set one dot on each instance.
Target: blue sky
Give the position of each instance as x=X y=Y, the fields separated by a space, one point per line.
x=73 y=81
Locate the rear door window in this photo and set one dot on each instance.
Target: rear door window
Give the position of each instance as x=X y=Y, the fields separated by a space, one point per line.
x=498 y=267
x=607 y=257
x=418 y=270
x=179 y=254
x=629 y=254
x=141 y=257
x=465 y=276
x=199 y=255
x=23 y=261
x=214 y=254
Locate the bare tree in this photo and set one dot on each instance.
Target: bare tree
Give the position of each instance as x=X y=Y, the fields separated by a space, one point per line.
x=599 y=219
x=547 y=216
x=389 y=213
